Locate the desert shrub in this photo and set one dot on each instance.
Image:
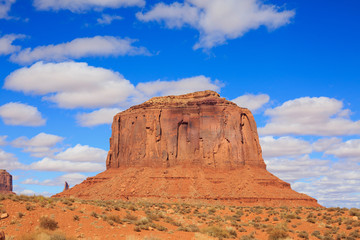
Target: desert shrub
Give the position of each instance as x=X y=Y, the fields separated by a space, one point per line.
x=152 y=216
x=232 y=232
x=316 y=234
x=239 y=213
x=159 y=227
x=142 y=221
x=94 y=214
x=279 y=231
x=130 y=218
x=211 y=211
x=76 y=218
x=311 y=220
x=40 y=235
x=29 y=207
x=333 y=209
x=172 y=221
x=241 y=229
x=356 y=224
x=20 y=214
x=115 y=218
x=256 y=210
x=189 y=228
x=248 y=237
x=291 y=216
x=48 y=223
x=354 y=212
x=67 y=202
x=257 y=219
x=303 y=234
x=340 y=236
x=218 y=232
x=355 y=234
x=132 y=208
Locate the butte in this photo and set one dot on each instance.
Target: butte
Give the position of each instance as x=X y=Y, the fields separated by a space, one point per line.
x=191 y=148
x=6 y=184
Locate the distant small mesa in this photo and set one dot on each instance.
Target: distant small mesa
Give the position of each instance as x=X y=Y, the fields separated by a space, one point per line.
x=6 y=185
x=196 y=147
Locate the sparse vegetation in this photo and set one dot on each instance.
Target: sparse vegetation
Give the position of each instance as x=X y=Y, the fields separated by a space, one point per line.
x=48 y=223
x=174 y=220
x=44 y=235
x=278 y=232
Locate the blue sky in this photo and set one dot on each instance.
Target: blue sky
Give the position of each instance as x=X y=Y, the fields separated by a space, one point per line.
x=68 y=66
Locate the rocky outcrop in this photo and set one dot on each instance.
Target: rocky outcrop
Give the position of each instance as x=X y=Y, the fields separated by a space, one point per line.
x=66 y=187
x=6 y=185
x=197 y=129
x=196 y=147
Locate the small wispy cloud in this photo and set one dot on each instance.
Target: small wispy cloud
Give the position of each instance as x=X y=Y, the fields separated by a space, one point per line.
x=108 y=19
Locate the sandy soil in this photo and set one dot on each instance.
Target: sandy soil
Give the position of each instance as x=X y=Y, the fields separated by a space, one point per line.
x=29 y=217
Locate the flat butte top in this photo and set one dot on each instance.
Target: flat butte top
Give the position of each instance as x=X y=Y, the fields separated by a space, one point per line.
x=207 y=97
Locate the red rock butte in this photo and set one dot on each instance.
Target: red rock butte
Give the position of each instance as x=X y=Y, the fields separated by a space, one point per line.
x=196 y=147
x=6 y=184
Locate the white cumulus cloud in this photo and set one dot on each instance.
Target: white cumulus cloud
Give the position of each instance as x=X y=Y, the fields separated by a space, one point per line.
x=48 y=164
x=78 y=85
x=28 y=192
x=284 y=146
x=85 y=5
x=78 y=48
x=325 y=143
x=20 y=114
x=6 y=43
x=40 y=145
x=339 y=186
x=181 y=86
x=349 y=149
x=82 y=153
x=8 y=161
x=218 y=20
x=70 y=178
x=71 y=84
x=291 y=170
x=320 y=116
x=251 y=101
x=97 y=117
x=5 y=6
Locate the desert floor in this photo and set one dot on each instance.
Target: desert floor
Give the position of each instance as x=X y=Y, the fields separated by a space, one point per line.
x=40 y=218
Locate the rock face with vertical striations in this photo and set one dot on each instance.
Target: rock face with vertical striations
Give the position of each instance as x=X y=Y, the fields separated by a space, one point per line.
x=193 y=147
x=6 y=185
x=198 y=129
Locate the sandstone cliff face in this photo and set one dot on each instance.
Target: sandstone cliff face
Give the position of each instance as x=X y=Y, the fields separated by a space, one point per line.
x=5 y=181
x=195 y=148
x=197 y=129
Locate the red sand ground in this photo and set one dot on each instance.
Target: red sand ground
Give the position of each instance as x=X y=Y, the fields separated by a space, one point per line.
x=79 y=219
